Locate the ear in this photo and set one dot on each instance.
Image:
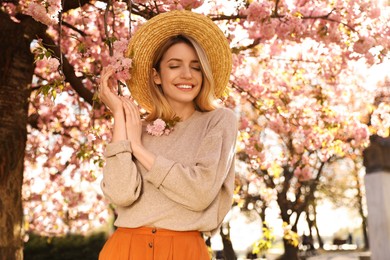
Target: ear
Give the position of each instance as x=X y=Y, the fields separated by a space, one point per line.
x=156 y=77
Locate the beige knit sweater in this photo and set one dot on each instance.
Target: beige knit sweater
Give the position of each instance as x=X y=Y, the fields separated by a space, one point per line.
x=190 y=184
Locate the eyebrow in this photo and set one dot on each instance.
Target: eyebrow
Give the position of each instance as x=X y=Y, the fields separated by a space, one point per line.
x=180 y=60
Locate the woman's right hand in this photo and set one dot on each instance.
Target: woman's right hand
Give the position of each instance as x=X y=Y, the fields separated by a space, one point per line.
x=106 y=93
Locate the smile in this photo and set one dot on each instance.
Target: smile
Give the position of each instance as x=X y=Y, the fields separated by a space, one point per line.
x=184 y=86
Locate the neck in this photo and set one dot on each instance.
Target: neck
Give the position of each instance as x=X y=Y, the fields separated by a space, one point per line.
x=184 y=112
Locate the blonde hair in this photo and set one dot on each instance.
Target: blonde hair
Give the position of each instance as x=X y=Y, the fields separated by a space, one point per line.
x=203 y=101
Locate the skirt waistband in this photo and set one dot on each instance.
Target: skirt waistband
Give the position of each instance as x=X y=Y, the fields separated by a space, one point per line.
x=157 y=231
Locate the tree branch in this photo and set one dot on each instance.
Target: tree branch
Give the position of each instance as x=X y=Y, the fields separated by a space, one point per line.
x=276 y=8
x=68 y=71
x=252 y=100
x=74 y=29
x=312 y=187
x=69 y=5
x=223 y=17
x=278 y=16
x=244 y=48
x=326 y=17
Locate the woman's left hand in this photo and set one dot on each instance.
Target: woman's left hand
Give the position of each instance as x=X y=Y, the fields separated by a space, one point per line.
x=134 y=132
x=133 y=121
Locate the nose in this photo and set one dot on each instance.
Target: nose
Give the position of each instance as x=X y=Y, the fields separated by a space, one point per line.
x=186 y=72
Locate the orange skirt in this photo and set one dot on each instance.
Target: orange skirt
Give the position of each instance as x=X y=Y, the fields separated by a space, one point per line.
x=146 y=243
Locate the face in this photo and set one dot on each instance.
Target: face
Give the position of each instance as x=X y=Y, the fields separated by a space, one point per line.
x=180 y=75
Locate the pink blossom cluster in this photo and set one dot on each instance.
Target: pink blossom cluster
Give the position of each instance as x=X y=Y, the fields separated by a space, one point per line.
x=259 y=11
x=189 y=4
x=292 y=109
x=53 y=64
x=158 y=128
x=50 y=64
x=141 y=1
x=360 y=132
x=342 y=24
x=380 y=120
x=375 y=12
x=363 y=45
x=48 y=71
x=167 y=5
x=121 y=63
x=60 y=193
x=304 y=174
x=267 y=194
x=45 y=11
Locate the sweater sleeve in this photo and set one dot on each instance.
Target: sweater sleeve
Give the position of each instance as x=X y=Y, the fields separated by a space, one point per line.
x=121 y=182
x=196 y=186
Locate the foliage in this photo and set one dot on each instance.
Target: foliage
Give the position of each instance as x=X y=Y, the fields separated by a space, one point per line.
x=64 y=247
x=266 y=242
x=290 y=236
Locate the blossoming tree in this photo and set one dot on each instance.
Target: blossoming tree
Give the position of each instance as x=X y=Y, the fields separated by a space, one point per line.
x=294 y=132
x=289 y=85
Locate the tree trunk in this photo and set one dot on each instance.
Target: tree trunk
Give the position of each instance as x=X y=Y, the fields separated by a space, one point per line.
x=16 y=70
x=290 y=251
x=228 y=250
x=319 y=238
x=359 y=198
x=364 y=228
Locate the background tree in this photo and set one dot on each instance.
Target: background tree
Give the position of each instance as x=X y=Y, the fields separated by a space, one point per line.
x=16 y=72
x=303 y=130
x=343 y=186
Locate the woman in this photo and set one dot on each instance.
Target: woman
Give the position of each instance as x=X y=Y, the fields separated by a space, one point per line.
x=171 y=175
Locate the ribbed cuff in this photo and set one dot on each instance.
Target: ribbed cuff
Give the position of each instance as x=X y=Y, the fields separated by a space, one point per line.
x=113 y=149
x=159 y=171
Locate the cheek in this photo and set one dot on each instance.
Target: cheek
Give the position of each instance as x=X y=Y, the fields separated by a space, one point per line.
x=166 y=76
x=201 y=79
x=198 y=77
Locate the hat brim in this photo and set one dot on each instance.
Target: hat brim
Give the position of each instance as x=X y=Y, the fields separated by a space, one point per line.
x=159 y=29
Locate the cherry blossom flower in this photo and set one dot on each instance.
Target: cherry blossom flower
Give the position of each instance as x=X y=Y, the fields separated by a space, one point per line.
x=259 y=11
x=119 y=62
x=45 y=12
x=53 y=64
x=191 y=4
x=363 y=45
x=374 y=13
x=158 y=128
x=91 y=137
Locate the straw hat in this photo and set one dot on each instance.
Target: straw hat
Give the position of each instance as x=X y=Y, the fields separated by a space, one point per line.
x=160 y=28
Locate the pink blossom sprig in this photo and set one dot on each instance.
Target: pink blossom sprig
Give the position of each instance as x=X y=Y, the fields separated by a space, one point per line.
x=119 y=62
x=45 y=11
x=159 y=127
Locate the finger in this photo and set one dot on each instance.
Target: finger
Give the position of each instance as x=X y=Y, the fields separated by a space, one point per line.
x=127 y=111
x=131 y=104
x=108 y=69
x=106 y=73
x=128 y=106
x=133 y=110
